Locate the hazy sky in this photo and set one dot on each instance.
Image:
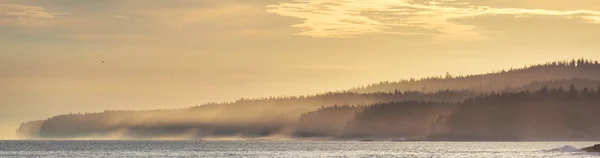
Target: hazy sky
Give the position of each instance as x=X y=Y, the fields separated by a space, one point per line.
x=177 y=53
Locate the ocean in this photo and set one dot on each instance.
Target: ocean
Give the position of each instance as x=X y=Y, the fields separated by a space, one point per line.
x=267 y=148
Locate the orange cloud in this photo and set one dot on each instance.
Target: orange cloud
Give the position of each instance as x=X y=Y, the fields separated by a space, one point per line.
x=28 y=16
x=347 y=18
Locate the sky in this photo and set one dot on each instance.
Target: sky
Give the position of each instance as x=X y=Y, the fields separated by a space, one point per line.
x=62 y=56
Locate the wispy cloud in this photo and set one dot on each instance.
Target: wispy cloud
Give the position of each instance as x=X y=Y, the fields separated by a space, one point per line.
x=33 y=14
x=121 y=17
x=20 y=7
x=28 y=16
x=24 y=11
x=347 y=18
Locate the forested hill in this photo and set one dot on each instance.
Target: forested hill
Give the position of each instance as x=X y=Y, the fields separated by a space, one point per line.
x=547 y=114
x=583 y=69
x=300 y=115
x=245 y=117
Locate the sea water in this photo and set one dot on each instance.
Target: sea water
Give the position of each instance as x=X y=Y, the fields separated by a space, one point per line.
x=89 y=148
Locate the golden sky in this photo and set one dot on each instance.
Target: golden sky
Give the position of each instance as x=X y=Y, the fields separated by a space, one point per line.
x=177 y=53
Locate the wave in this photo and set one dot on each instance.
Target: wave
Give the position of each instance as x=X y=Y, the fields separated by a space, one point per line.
x=574 y=151
x=566 y=148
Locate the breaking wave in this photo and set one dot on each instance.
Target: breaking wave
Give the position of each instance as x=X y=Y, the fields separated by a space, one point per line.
x=566 y=148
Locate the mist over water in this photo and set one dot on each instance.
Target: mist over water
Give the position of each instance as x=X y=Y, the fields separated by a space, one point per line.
x=556 y=101
x=287 y=149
